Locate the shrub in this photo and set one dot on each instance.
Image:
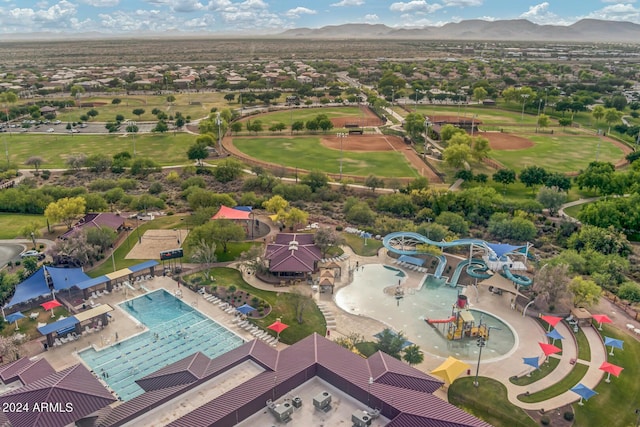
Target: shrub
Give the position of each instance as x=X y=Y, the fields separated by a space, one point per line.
x=568 y=415
x=46 y=174
x=545 y=420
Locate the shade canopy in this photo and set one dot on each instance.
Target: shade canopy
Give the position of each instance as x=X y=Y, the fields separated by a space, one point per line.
x=14 y=317
x=501 y=249
x=532 y=361
x=50 y=305
x=615 y=343
x=278 y=326
x=610 y=368
x=33 y=287
x=601 y=318
x=548 y=349
x=245 y=309
x=552 y=320
x=555 y=335
x=65 y=278
x=226 y=212
x=450 y=369
x=583 y=391
x=412 y=260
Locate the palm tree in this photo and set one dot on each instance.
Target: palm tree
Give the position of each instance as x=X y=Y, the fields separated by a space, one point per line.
x=413 y=355
x=205 y=253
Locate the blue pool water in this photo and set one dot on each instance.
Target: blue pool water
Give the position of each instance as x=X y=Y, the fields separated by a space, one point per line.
x=365 y=296
x=176 y=331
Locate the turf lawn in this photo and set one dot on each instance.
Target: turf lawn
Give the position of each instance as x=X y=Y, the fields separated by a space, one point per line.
x=10 y=224
x=559 y=153
x=537 y=374
x=289 y=116
x=357 y=244
x=308 y=153
x=566 y=383
x=166 y=149
x=488 y=402
x=487 y=115
x=615 y=404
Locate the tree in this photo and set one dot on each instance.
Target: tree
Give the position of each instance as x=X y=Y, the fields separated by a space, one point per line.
x=372 y=182
x=198 y=152
x=558 y=180
x=252 y=260
x=325 y=238
x=92 y=113
x=299 y=302
x=161 y=127
x=550 y=286
x=143 y=167
x=412 y=354
x=31 y=231
x=602 y=240
x=480 y=148
x=505 y=177
x=532 y=176
x=551 y=198
x=390 y=342
x=457 y=155
x=295 y=217
x=454 y=222
x=229 y=97
x=98 y=162
x=103 y=238
x=221 y=231
x=76 y=91
x=297 y=126
x=479 y=93
x=116 y=101
x=204 y=253
x=598 y=112
x=30 y=264
x=414 y=125
x=236 y=127
x=565 y=121
x=585 y=292
x=275 y=204
x=228 y=170
x=76 y=161
x=543 y=121
x=9 y=348
x=611 y=116
x=138 y=112
x=66 y=210
x=502 y=226
x=171 y=99
x=596 y=176
x=34 y=161
x=315 y=180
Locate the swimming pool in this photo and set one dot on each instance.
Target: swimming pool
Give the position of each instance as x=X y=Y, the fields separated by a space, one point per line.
x=365 y=296
x=176 y=330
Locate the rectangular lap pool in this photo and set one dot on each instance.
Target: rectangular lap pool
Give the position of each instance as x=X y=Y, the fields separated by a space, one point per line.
x=176 y=331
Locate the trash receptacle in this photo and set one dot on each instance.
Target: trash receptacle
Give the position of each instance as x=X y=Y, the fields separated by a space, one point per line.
x=468 y=371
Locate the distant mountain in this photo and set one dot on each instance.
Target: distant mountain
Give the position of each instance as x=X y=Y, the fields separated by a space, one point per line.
x=592 y=30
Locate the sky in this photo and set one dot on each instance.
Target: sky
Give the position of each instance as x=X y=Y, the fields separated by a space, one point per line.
x=274 y=16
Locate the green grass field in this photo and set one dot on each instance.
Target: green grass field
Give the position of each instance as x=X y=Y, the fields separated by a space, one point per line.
x=289 y=116
x=10 y=224
x=559 y=153
x=166 y=149
x=308 y=153
x=486 y=115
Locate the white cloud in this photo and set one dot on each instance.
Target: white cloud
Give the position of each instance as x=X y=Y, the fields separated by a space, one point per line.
x=343 y=3
x=179 y=5
x=414 y=6
x=296 y=12
x=371 y=18
x=539 y=14
x=617 y=12
x=462 y=3
x=101 y=3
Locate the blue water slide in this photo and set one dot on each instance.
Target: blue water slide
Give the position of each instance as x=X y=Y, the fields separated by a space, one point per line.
x=478 y=269
x=516 y=278
x=442 y=263
x=412 y=239
x=456 y=273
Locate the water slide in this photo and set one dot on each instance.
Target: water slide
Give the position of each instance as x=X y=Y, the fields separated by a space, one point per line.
x=411 y=239
x=442 y=263
x=516 y=278
x=456 y=273
x=478 y=269
x=432 y=321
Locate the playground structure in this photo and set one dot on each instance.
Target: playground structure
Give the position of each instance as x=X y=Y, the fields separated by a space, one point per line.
x=461 y=324
x=484 y=257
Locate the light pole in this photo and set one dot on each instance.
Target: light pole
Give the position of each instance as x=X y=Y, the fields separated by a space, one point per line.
x=473 y=123
x=426 y=137
x=369 y=392
x=219 y=123
x=132 y=127
x=524 y=101
x=546 y=98
x=33 y=239
x=341 y=135
x=481 y=343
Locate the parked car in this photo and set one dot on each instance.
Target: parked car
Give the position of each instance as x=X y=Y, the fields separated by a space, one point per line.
x=51 y=130
x=32 y=253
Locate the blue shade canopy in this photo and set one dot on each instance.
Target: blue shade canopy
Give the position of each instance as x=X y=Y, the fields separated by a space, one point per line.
x=531 y=361
x=555 y=335
x=143 y=265
x=35 y=286
x=92 y=282
x=411 y=260
x=583 y=391
x=65 y=278
x=13 y=317
x=60 y=326
x=245 y=309
x=613 y=342
x=503 y=248
x=244 y=208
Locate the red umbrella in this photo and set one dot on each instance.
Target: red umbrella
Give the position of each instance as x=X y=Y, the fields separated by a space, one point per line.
x=610 y=368
x=601 y=318
x=551 y=320
x=278 y=326
x=50 y=305
x=548 y=349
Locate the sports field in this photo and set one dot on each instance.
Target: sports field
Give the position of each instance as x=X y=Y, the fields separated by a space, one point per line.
x=487 y=115
x=562 y=153
x=166 y=149
x=287 y=117
x=310 y=153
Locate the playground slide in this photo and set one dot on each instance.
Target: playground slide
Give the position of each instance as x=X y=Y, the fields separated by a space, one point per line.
x=442 y=263
x=478 y=269
x=516 y=278
x=432 y=321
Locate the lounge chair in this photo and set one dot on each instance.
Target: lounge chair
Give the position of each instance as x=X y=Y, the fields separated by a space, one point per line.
x=274 y=343
x=34 y=315
x=57 y=342
x=105 y=292
x=94 y=295
x=41 y=324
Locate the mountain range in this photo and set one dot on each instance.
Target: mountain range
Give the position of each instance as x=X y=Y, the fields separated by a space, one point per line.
x=585 y=30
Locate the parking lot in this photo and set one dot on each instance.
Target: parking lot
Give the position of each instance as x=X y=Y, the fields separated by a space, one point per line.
x=61 y=127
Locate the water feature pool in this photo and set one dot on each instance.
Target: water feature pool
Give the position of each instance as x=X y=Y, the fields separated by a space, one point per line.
x=176 y=330
x=365 y=296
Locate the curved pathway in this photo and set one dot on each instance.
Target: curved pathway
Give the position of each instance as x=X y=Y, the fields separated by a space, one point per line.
x=575 y=203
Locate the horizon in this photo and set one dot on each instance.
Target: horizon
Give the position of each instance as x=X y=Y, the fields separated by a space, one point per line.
x=259 y=17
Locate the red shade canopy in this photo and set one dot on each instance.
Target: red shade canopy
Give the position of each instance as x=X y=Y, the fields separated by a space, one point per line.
x=278 y=326
x=601 y=318
x=611 y=368
x=552 y=320
x=548 y=349
x=50 y=305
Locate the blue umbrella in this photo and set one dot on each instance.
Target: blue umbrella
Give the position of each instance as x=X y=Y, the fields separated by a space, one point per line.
x=245 y=309
x=366 y=236
x=555 y=335
x=14 y=317
x=584 y=392
x=531 y=361
x=613 y=343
